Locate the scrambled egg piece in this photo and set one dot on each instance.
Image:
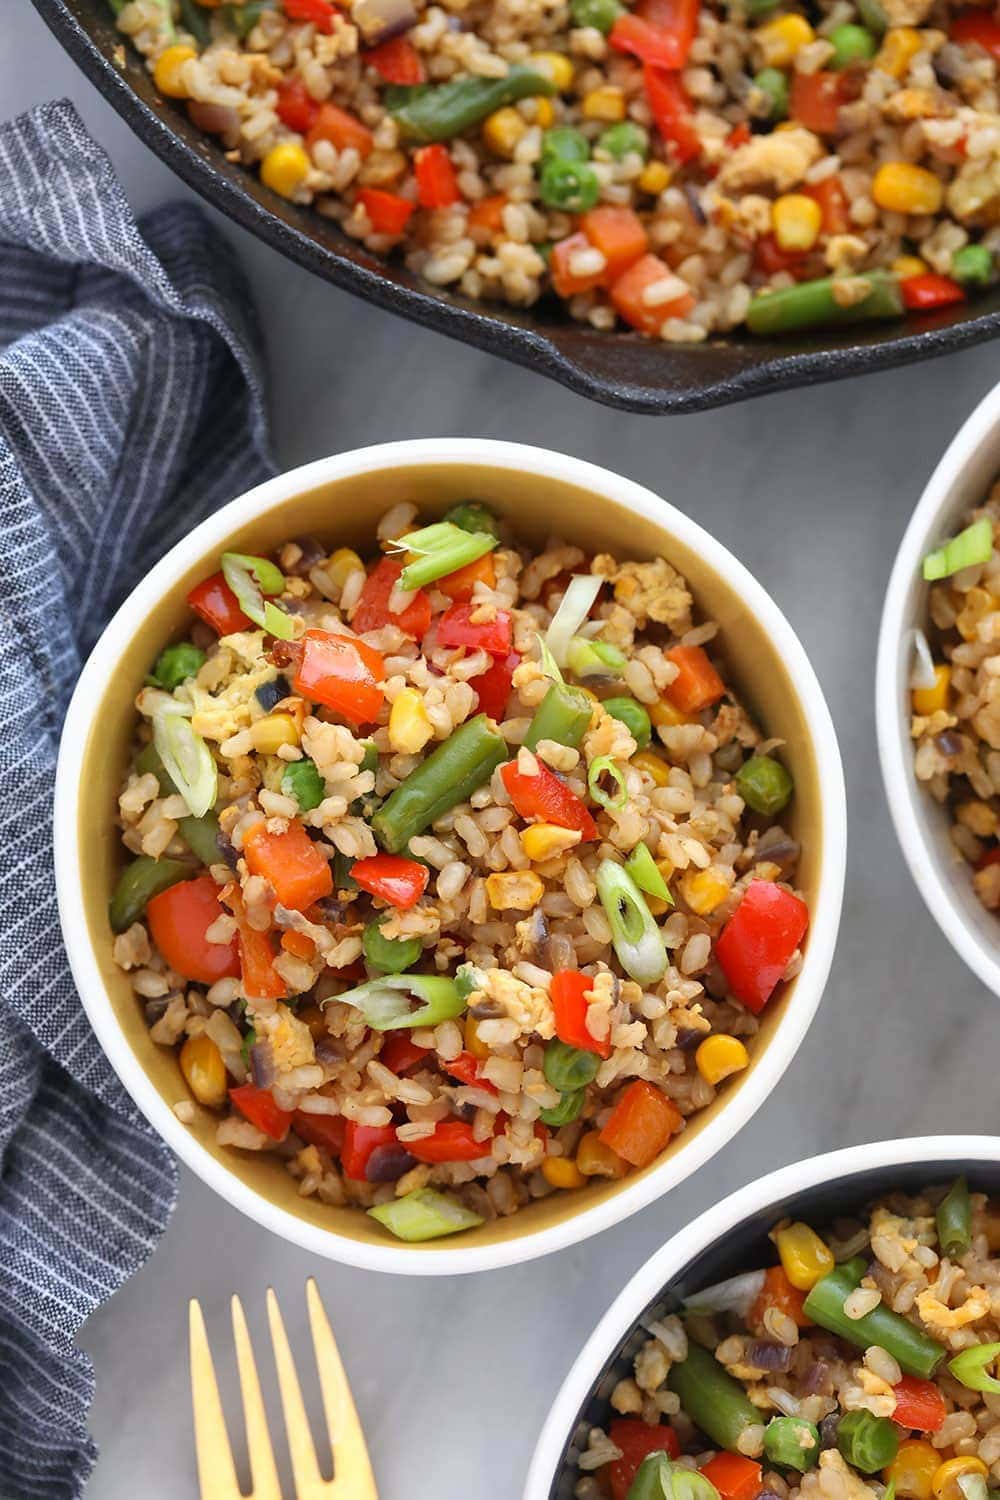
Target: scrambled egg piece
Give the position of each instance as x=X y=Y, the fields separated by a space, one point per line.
x=649 y=591
x=527 y=1004
x=779 y=161
x=290 y=1039
x=936 y=1315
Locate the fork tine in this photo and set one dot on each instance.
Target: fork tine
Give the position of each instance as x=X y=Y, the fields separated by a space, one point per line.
x=352 y=1465
x=262 y=1467
x=216 y=1473
x=309 y=1482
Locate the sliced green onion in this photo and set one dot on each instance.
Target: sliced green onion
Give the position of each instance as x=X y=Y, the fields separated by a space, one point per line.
x=473 y=515
x=867 y=1442
x=970 y=1367
x=250 y=579
x=792 y=1443
x=971 y=546
x=469 y=978
x=954 y=1219
x=606 y=765
x=581 y=591
x=642 y=867
x=637 y=940
x=387 y=1003
x=439 y=550
x=567 y=1067
x=566 y=1111
x=633 y=716
x=586 y=658
x=657 y=1478
x=187 y=760
x=391 y=955
x=424 y=1215
x=547 y=661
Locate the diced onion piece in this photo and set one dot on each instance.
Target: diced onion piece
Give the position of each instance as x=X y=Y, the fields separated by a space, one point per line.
x=737 y=1295
x=606 y=765
x=972 y=546
x=581 y=591
x=250 y=578
x=922 y=674
x=547 y=660
x=637 y=940
x=187 y=760
x=424 y=1215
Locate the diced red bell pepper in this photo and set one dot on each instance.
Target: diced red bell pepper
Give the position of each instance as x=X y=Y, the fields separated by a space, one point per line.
x=697 y=684
x=628 y=296
x=400 y=1053
x=486 y=215
x=769 y=258
x=493 y=686
x=466 y=1068
x=929 y=291
x=342 y=130
x=738 y=136
x=290 y=862
x=816 y=99
x=258 y=1106
x=619 y=234
x=919 y=1404
x=672 y=112
x=569 y=1004
x=545 y=797
x=388 y=213
x=988 y=857
x=399 y=881
x=735 y=1477
x=565 y=281
x=980 y=26
x=373 y=612
x=359 y=1143
x=179 y=918
x=342 y=673
x=778 y=1292
x=833 y=202
x=296 y=107
x=637 y=1440
x=641 y=1123
x=658 y=32
x=325 y=1131
x=452 y=1140
x=456 y=627
x=756 y=945
x=458 y=586
x=319 y=12
x=261 y=980
x=437 y=181
x=397 y=60
x=214 y=601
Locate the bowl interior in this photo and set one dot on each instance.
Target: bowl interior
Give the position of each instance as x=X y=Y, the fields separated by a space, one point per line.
x=345 y=512
x=743 y=1248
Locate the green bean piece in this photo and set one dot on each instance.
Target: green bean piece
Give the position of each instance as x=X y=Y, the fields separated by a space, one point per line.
x=914 y=1351
x=202 y=837
x=567 y=1067
x=473 y=515
x=773 y=83
x=633 y=716
x=873 y=15
x=243 y=18
x=764 y=784
x=657 y=1478
x=600 y=14
x=792 y=1443
x=175 y=664
x=148 y=760
x=851 y=44
x=389 y=955
x=343 y=880
x=138 y=883
x=973 y=265
x=566 y=1110
x=564 y=143
x=954 y=1219
x=365 y=805
x=569 y=185
x=868 y=1443
x=448 y=776
x=813 y=304
x=446 y=110
x=625 y=138
x=194 y=19
x=713 y=1400
x=301 y=780
x=563 y=715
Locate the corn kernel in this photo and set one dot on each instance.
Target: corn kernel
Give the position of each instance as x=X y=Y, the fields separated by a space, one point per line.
x=945 y=1484
x=409 y=726
x=781 y=38
x=913 y=1469
x=796 y=221
x=517 y=890
x=653 y=765
x=930 y=700
x=654 y=177
x=503 y=129
x=555 y=66
x=545 y=841
x=902 y=188
x=544 y=113
x=270 y=733
x=718 y=1057
x=909 y=265
x=472 y=1043
x=595 y=1159
x=664 y=712
x=704 y=890
x=562 y=1172
x=284 y=168
x=605 y=103
x=204 y=1071
x=168 y=71
x=804 y=1255
x=900 y=46
x=340 y=565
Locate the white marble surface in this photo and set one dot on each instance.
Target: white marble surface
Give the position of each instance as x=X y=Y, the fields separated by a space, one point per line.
x=812 y=490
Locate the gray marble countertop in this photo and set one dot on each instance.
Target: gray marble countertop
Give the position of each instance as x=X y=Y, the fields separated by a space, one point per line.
x=812 y=490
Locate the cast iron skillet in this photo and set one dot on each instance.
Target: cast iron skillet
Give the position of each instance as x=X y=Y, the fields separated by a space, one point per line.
x=618 y=369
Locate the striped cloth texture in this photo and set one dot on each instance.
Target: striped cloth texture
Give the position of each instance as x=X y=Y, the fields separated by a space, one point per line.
x=131 y=405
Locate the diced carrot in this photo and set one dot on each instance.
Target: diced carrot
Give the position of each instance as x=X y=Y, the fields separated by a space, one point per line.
x=628 y=294
x=261 y=980
x=459 y=585
x=735 y=1477
x=387 y=212
x=816 y=100
x=697 y=684
x=486 y=216
x=565 y=280
x=779 y=1293
x=619 y=234
x=341 y=129
x=299 y=944
x=290 y=862
x=437 y=181
x=833 y=203
x=641 y=1124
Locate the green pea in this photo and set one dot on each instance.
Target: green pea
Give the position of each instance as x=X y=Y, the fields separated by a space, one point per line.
x=764 y=784
x=563 y=143
x=972 y=265
x=633 y=716
x=624 y=139
x=390 y=955
x=792 y=1443
x=873 y=15
x=473 y=515
x=569 y=185
x=569 y=1068
x=851 y=44
x=774 y=85
x=176 y=664
x=601 y=14
x=302 y=781
x=866 y=1442
x=566 y=1110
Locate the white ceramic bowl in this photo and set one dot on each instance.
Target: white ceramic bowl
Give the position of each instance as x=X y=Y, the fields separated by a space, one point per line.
x=962 y=478
x=341 y=497
x=728 y=1239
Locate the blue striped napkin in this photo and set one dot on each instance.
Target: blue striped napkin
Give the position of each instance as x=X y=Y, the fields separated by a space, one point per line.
x=131 y=405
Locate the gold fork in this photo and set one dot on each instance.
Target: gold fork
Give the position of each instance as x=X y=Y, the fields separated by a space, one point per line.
x=352 y=1472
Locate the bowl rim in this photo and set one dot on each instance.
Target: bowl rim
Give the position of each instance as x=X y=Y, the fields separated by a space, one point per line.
x=825 y=919
x=712 y=1225
x=903 y=794
x=489 y=330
